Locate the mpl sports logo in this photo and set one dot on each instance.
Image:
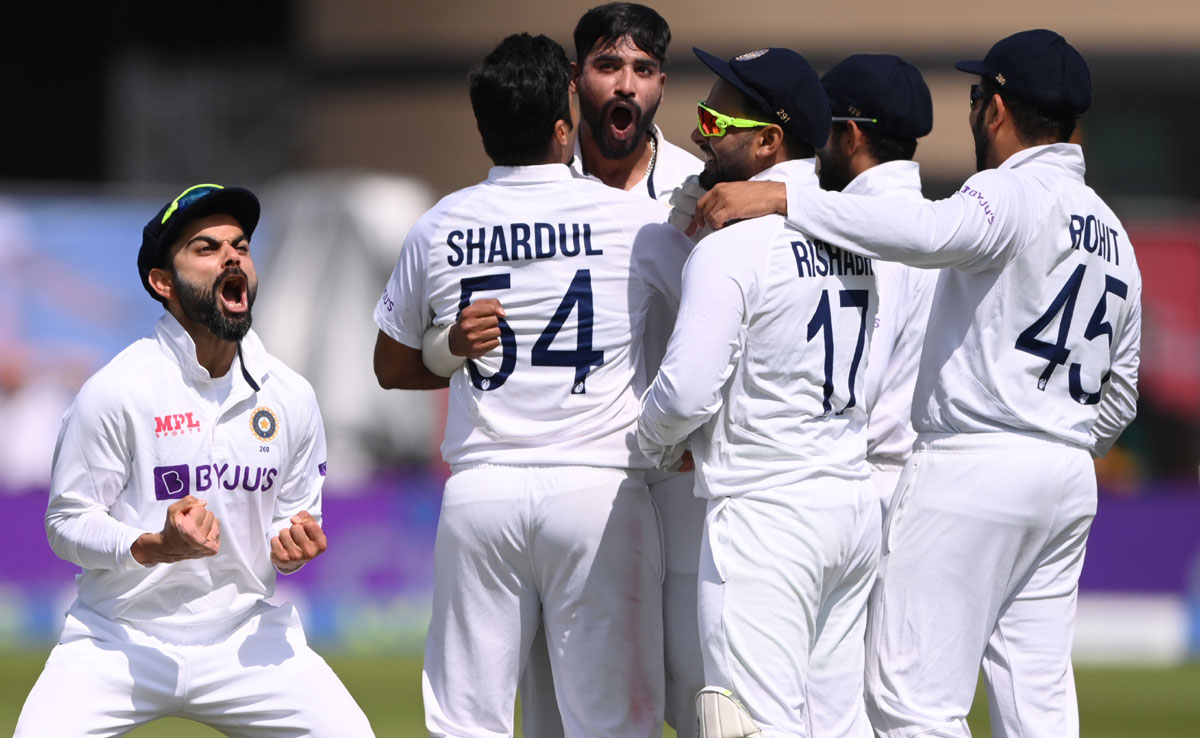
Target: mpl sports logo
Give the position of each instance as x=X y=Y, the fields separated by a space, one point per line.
x=179 y=480
x=176 y=424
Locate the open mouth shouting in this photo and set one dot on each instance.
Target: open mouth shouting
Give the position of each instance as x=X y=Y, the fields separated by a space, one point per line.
x=619 y=127
x=621 y=117
x=233 y=290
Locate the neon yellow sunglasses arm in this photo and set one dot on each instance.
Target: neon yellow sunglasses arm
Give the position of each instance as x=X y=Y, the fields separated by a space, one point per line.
x=723 y=121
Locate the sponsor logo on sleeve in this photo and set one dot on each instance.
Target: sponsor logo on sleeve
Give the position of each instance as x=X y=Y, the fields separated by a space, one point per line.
x=321 y=468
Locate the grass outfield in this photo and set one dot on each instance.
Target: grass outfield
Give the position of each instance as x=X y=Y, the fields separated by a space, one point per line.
x=1114 y=702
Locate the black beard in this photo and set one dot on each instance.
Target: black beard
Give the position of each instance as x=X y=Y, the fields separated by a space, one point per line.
x=717 y=170
x=835 y=171
x=201 y=305
x=596 y=121
x=981 y=142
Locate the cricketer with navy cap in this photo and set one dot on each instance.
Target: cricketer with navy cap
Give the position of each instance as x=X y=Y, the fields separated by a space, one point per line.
x=1029 y=369
x=881 y=106
x=188 y=472
x=764 y=375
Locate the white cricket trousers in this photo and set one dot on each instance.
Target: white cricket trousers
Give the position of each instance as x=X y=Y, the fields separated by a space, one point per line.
x=260 y=680
x=981 y=560
x=785 y=576
x=682 y=516
x=578 y=548
x=885 y=477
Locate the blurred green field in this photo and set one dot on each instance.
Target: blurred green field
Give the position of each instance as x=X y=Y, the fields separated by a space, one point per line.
x=1114 y=702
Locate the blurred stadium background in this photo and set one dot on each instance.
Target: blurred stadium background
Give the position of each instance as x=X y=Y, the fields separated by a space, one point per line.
x=350 y=117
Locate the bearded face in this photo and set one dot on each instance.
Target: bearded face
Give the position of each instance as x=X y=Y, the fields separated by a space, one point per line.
x=222 y=307
x=833 y=165
x=620 y=88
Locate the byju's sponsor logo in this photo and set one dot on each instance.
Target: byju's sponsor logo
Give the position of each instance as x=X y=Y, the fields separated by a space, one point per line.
x=175 y=424
x=171 y=482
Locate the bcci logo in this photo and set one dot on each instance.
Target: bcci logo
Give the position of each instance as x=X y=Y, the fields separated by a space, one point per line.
x=264 y=423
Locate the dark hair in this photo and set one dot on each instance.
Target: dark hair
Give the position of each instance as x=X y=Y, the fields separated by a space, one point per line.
x=1033 y=126
x=519 y=92
x=607 y=24
x=882 y=148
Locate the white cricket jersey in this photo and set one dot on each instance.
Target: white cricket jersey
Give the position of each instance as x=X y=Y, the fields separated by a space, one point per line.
x=672 y=165
x=1037 y=326
x=905 y=295
x=768 y=358
x=557 y=252
x=151 y=427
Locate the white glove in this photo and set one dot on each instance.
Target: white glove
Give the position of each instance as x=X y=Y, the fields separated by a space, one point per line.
x=683 y=207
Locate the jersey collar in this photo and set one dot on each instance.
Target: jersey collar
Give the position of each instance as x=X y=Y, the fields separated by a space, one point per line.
x=889 y=178
x=1063 y=156
x=577 y=168
x=250 y=365
x=529 y=175
x=796 y=172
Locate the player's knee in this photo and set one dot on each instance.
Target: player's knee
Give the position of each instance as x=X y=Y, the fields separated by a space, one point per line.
x=721 y=715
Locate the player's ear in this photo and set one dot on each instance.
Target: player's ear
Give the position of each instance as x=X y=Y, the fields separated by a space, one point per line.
x=996 y=113
x=855 y=139
x=562 y=133
x=574 y=78
x=162 y=282
x=770 y=140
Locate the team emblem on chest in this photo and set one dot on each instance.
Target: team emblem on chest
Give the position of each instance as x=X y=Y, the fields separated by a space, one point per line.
x=264 y=423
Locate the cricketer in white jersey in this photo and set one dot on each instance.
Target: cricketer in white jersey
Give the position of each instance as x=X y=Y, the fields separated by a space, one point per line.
x=905 y=299
x=681 y=512
x=881 y=107
x=546 y=516
x=1029 y=368
x=621 y=50
x=763 y=378
x=559 y=392
x=192 y=635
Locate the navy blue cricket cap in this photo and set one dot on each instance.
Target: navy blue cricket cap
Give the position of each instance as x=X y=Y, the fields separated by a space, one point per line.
x=884 y=87
x=1038 y=67
x=195 y=202
x=784 y=85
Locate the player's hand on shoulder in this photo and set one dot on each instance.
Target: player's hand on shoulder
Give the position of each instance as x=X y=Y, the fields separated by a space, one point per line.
x=477 y=330
x=731 y=201
x=191 y=531
x=299 y=544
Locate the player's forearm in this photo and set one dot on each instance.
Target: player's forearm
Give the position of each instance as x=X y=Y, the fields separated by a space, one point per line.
x=672 y=411
x=1118 y=403
x=400 y=367
x=920 y=234
x=92 y=539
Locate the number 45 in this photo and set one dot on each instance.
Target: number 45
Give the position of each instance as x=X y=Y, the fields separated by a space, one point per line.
x=1057 y=353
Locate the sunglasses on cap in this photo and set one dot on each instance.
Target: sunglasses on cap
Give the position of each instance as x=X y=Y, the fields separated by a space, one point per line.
x=187 y=197
x=853 y=119
x=712 y=123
